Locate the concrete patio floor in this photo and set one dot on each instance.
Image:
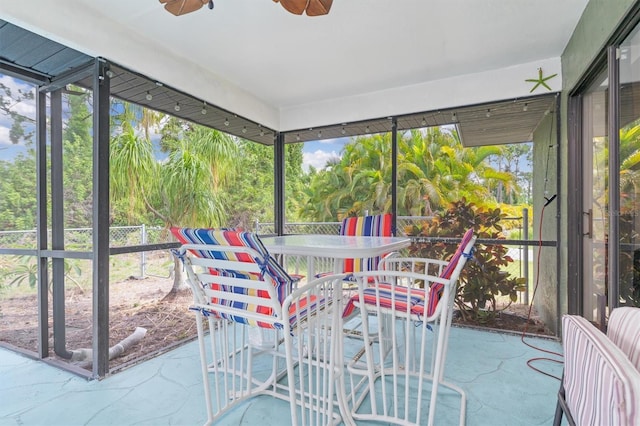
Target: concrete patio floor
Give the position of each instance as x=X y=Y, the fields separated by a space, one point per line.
x=167 y=390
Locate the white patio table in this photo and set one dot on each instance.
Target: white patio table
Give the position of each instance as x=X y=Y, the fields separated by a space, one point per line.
x=335 y=247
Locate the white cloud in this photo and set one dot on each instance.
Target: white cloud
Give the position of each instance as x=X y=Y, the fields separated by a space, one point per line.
x=9 y=151
x=4 y=136
x=317 y=159
x=333 y=141
x=26 y=108
x=13 y=83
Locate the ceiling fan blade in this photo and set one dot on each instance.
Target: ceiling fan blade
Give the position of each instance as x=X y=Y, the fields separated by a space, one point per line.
x=318 y=7
x=296 y=7
x=181 y=7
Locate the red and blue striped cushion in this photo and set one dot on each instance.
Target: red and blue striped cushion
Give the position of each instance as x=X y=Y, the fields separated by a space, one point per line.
x=405 y=301
x=270 y=268
x=367 y=226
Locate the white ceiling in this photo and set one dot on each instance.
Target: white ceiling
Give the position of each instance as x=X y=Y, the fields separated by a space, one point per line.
x=366 y=59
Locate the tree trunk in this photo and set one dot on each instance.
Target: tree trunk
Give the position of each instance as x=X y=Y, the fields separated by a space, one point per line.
x=179 y=285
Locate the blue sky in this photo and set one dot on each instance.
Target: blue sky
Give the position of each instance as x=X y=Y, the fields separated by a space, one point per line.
x=317 y=153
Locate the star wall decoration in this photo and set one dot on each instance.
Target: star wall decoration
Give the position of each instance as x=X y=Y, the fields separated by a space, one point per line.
x=540 y=81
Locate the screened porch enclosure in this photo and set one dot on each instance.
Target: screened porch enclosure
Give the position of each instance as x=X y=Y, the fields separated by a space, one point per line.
x=514 y=120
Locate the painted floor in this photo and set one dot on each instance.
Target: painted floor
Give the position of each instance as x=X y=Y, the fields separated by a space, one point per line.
x=491 y=367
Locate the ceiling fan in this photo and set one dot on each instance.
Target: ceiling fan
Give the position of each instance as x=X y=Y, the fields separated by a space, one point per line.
x=312 y=7
x=297 y=7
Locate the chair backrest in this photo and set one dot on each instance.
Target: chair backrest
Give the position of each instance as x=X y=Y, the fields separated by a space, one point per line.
x=367 y=226
x=602 y=387
x=624 y=331
x=241 y=281
x=452 y=270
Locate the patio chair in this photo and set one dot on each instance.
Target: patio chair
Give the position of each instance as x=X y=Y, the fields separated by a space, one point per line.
x=408 y=307
x=366 y=226
x=265 y=337
x=601 y=379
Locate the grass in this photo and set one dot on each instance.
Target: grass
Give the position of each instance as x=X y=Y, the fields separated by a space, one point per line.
x=159 y=264
x=80 y=272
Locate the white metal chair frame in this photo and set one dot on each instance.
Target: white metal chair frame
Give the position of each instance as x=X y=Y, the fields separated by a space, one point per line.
x=303 y=324
x=410 y=277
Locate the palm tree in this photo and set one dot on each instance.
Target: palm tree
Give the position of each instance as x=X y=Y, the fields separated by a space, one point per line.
x=434 y=169
x=186 y=190
x=420 y=189
x=127 y=116
x=133 y=169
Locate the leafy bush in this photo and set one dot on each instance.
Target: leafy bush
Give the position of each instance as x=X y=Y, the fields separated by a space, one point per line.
x=483 y=278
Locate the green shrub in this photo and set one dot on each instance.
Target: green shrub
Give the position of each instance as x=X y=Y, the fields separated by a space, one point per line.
x=25 y=270
x=483 y=278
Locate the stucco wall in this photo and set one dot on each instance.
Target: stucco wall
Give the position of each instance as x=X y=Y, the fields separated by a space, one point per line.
x=597 y=24
x=545 y=181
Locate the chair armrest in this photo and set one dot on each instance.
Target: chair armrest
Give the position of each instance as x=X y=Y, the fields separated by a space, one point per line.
x=412 y=264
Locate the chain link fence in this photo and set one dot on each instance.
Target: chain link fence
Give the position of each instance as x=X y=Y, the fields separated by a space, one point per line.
x=330 y=228
x=158 y=263
x=81 y=239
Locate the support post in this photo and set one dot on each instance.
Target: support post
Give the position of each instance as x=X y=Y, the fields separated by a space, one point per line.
x=42 y=229
x=394 y=175
x=57 y=227
x=525 y=254
x=101 y=92
x=278 y=155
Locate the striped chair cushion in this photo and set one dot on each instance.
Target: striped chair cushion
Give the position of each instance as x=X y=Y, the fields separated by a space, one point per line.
x=412 y=301
x=298 y=311
x=368 y=226
x=224 y=237
x=304 y=307
x=624 y=331
x=601 y=385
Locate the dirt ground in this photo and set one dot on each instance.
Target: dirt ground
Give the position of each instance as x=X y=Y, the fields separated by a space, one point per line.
x=141 y=303
x=133 y=303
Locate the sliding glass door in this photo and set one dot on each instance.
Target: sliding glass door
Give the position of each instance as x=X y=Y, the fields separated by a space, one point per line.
x=595 y=199
x=628 y=169
x=611 y=185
